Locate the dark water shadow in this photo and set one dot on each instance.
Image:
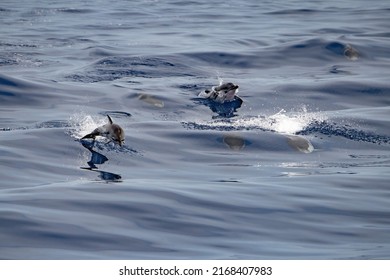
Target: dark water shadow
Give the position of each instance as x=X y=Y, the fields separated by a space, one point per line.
x=97 y=159
x=223 y=110
x=106 y=176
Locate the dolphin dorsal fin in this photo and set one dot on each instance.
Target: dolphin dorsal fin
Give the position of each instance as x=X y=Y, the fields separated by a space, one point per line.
x=109 y=119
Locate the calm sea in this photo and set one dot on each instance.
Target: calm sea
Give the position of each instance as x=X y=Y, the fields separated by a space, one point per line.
x=299 y=171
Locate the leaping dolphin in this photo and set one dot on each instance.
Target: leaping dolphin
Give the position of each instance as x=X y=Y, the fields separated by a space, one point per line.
x=111 y=131
x=222 y=93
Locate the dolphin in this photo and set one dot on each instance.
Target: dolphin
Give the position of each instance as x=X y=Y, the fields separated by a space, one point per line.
x=111 y=131
x=222 y=93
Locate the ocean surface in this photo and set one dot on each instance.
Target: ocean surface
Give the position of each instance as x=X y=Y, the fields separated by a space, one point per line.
x=299 y=171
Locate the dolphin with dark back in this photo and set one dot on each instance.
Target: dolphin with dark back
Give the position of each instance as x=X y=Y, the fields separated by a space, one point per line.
x=111 y=131
x=223 y=93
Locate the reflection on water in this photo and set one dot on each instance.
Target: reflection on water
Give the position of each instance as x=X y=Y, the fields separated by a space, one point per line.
x=98 y=158
x=106 y=176
x=224 y=110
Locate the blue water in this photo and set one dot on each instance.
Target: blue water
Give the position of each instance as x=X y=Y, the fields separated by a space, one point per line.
x=299 y=171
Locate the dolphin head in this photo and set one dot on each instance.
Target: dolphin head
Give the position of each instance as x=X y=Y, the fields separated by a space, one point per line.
x=114 y=132
x=226 y=92
x=117 y=134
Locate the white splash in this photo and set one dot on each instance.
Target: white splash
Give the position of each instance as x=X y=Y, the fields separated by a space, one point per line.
x=281 y=122
x=290 y=124
x=220 y=80
x=83 y=124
